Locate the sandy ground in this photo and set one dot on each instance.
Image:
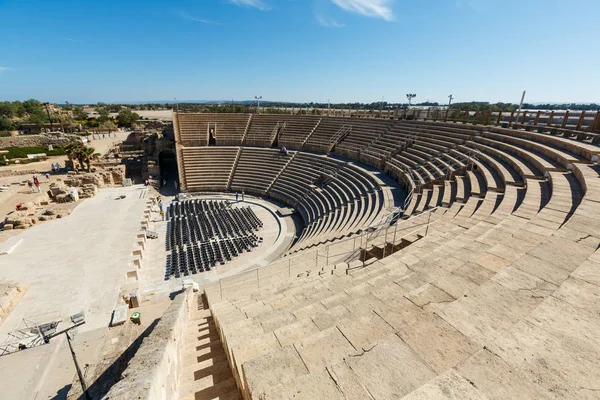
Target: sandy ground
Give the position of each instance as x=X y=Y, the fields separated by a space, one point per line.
x=18 y=190
x=68 y=265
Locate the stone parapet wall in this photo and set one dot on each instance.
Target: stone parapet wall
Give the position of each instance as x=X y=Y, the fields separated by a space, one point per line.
x=37 y=140
x=153 y=373
x=11 y=172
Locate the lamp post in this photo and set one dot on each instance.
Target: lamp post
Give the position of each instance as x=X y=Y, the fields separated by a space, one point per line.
x=450 y=98
x=410 y=96
x=176 y=103
x=258 y=99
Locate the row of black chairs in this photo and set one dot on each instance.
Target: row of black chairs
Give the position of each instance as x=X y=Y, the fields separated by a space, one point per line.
x=199 y=222
x=195 y=206
x=201 y=257
x=204 y=233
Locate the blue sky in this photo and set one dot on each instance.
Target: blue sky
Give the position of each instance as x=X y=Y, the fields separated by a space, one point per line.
x=300 y=50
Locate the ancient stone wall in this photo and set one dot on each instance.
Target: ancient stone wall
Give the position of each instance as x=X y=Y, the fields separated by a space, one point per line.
x=10 y=294
x=37 y=140
x=153 y=373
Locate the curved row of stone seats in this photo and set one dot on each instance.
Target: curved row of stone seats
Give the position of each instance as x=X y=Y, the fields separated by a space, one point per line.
x=193 y=129
x=351 y=133
x=297 y=130
x=364 y=131
x=207 y=168
x=321 y=139
x=351 y=206
x=352 y=217
x=334 y=198
x=490 y=304
x=264 y=129
x=257 y=169
x=189 y=130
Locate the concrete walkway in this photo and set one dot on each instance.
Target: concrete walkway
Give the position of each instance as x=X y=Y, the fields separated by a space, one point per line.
x=76 y=263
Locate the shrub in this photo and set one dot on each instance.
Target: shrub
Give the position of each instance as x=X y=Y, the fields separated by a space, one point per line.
x=22 y=152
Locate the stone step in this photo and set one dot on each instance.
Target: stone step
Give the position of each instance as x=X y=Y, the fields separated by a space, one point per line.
x=225 y=390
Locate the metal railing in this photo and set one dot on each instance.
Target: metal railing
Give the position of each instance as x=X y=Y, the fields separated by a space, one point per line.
x=309 y=261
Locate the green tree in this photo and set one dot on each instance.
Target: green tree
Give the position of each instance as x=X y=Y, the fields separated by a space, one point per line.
x=127 y=118
x=79 y=114
x=108 y=126
x=38 y=117
x=7 y=109
x=72 y=151
x=32 y=106
x=85 y=155
x=103 y=114
x=6 y=124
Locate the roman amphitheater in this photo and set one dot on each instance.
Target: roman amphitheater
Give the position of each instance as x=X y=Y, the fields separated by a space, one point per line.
x=318 y=257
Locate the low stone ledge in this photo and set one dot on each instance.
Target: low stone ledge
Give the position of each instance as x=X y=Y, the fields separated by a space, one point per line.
x=153 y=373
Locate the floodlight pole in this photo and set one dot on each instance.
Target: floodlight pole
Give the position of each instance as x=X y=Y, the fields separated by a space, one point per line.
x=79 y=373
x=81 y=380
x=450 y=98
x=258 y=99
x=410 y=96
x=177 y=103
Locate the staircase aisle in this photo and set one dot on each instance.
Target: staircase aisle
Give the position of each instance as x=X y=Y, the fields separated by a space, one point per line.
x=206 y=374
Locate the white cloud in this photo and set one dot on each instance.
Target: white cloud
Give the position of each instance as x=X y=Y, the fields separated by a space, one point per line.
x=67 y=39
x=185 y=15
x=328 y=22
x=251 y=3
x=2 y=69
x=368 y=8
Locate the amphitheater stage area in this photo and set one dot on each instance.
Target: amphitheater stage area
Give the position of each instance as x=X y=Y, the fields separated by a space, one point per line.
x=277 y=234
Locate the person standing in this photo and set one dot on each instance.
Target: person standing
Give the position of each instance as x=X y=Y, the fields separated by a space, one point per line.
x=30 y=184
x=242 y=195
x=236 y=196
x=47 y=177
x=37 y=185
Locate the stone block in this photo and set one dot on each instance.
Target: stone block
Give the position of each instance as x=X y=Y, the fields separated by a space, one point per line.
x=119 y=316
x=276 y=368
x=326 y=347
x=390 y=370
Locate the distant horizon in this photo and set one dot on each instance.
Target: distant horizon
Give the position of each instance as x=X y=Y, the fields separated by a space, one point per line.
x=263 y=101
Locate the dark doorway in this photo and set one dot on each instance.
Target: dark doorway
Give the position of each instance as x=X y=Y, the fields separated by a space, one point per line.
x=212 y=133
x=169 y=173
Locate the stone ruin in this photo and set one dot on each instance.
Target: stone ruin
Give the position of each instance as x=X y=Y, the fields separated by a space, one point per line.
x=42 y=209
x=32 y=212
x=10 y=294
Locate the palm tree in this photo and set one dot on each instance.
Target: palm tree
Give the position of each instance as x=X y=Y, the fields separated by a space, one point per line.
x=72 y=150
x=86 y=155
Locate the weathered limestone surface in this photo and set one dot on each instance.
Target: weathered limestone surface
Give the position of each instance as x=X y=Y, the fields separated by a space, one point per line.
x=10 y=294
x=154 y=371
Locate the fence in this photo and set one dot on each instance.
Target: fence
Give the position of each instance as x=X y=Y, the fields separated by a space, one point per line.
x=342 y=251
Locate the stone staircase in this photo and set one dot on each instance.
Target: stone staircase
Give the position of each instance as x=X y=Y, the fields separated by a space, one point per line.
x=206 y=373
x=485 y=290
